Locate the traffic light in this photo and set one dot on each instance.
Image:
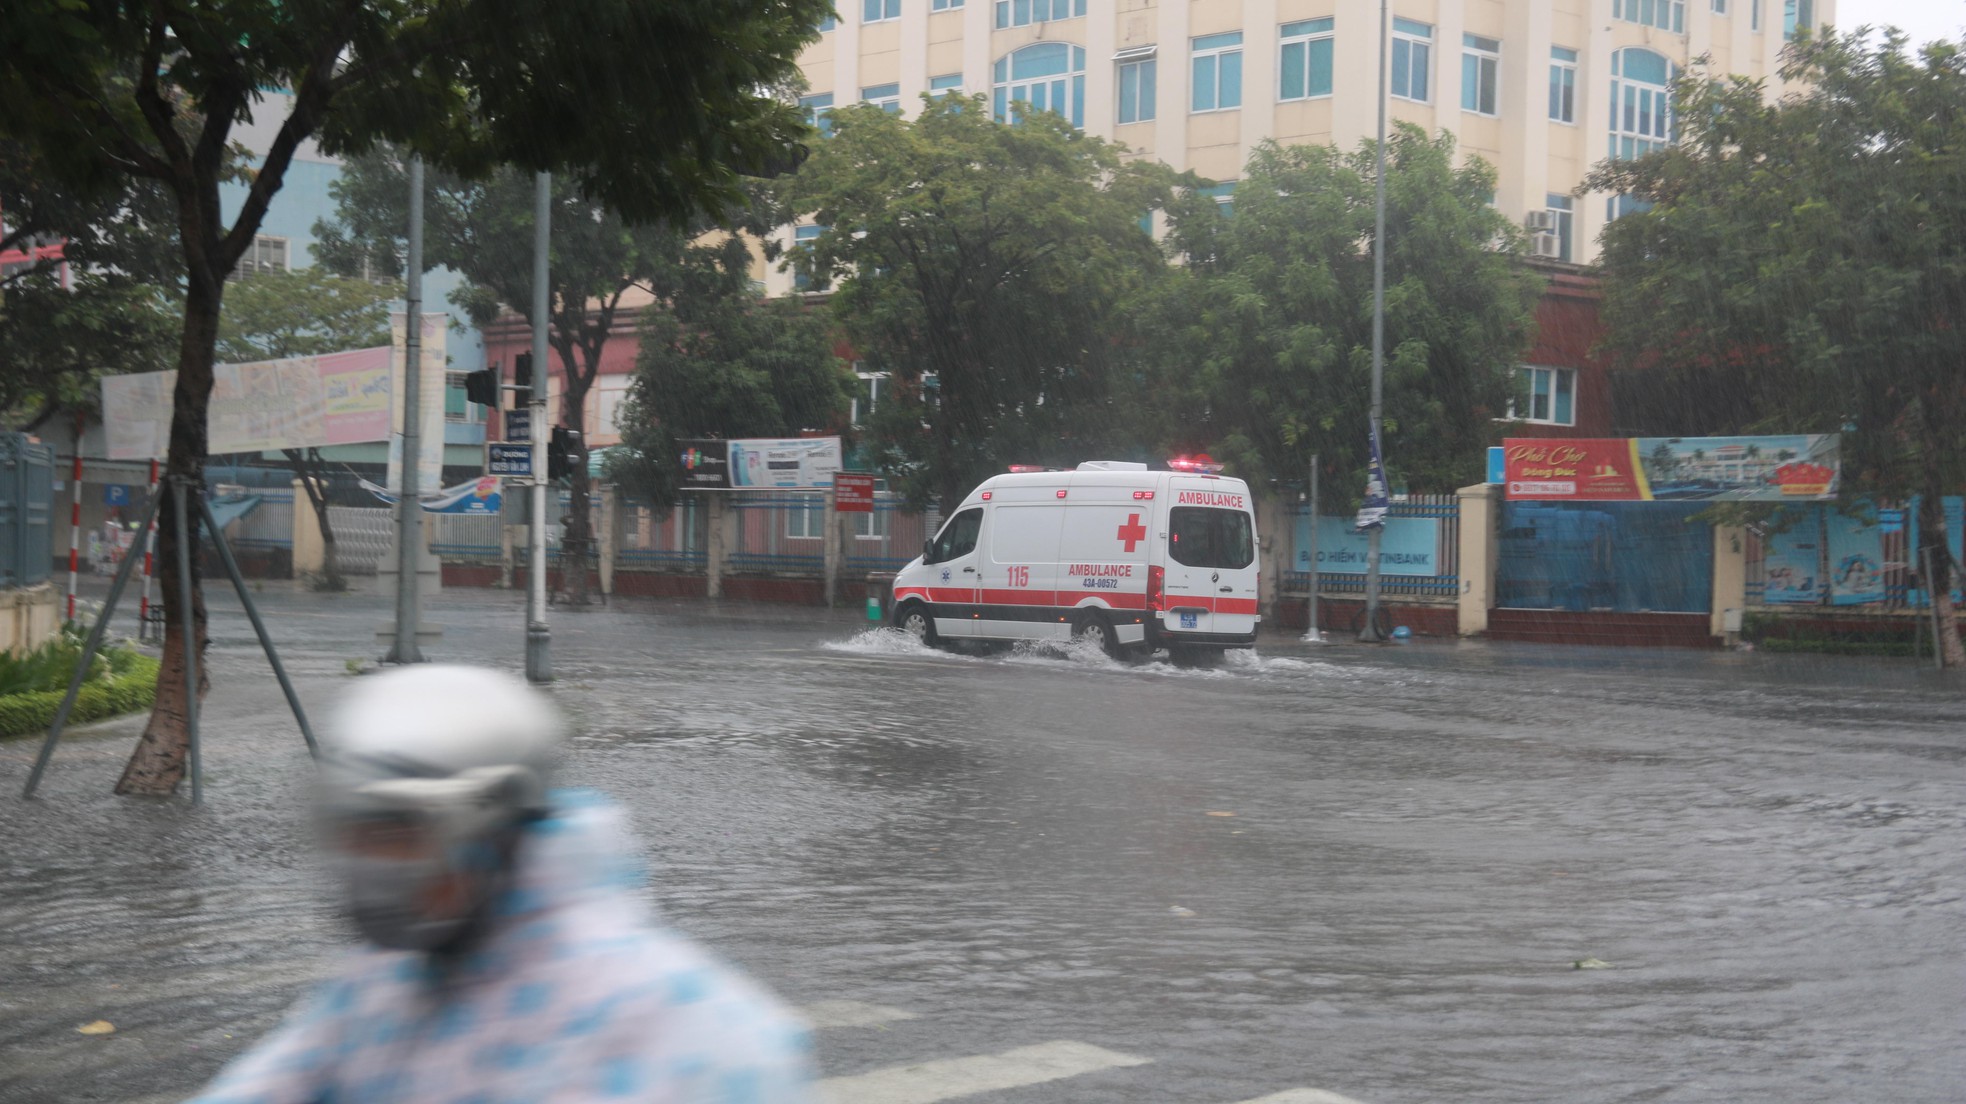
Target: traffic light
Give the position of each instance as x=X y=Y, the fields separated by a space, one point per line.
x=559 y=451
x=482 y=387
x=522 y=376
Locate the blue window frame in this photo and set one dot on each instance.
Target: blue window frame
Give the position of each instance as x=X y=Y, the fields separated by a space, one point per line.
x=1136 y=80
x=1413 y=49
x=1021 y=13
x=1217 y=76
x=945 y=5
x=1667 y=15
x=1563 y=85
x=1481 y=68
x=887 y=97
x=802 y=239
x=1304 y=64
x=819 y=112
x=1641 y=111
x=879 y=11
x=1044 y=76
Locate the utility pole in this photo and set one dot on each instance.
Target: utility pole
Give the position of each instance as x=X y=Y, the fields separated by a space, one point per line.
x=409 y=505
x=539 y=662
x=1369 y=634
x=1311 y=633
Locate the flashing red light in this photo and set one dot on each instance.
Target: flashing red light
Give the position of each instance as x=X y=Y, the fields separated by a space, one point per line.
x=1202 y=463
x=1143 y=496
x=986 y=495
x=1061 y=494
x=1156 y=588
x=1024 y=469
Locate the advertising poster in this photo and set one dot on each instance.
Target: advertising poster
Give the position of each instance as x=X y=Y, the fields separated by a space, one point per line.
x=794 y=463
x=1409 y=546
x=1793 y=468
x=1792 y=565
x=1856 y=559
x=480 y=496
x=300 y=402
x=705 y=465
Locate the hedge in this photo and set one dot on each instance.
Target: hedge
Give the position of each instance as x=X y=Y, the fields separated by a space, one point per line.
x=130 y=692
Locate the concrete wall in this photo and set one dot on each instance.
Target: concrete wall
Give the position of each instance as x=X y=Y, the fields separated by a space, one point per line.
x=29 y=617
x=1481 y=507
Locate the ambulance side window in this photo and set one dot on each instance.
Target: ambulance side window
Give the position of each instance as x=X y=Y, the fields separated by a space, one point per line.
x=958 y=538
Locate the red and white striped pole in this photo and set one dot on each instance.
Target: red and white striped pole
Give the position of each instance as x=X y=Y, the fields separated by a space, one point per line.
x=149 y=548
x=75 y=519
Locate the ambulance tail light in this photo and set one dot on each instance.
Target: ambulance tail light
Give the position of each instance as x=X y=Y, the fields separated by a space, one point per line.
x=1156 y=588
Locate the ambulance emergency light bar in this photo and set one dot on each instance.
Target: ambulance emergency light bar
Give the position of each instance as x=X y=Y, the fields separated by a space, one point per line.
x=1204 y=464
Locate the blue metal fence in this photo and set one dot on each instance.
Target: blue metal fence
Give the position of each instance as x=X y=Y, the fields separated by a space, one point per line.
x=1623 y=556
x=27 y=491
x=1443 y=582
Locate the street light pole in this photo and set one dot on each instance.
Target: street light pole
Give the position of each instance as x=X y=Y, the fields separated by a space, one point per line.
x=539 y=664
x=409 y=504
x=1369 y=633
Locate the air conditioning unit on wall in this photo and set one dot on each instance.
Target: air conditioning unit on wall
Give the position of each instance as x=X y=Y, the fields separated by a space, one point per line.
x=1539 y=222
x=1545 y=245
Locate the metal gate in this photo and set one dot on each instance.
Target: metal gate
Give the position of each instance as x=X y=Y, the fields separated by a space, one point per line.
x=1623 y=556
x=27 y=491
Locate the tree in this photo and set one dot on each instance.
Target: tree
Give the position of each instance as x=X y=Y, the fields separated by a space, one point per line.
x=483 y=229
x=1807 y=257
x=114 y=312
x=1259 y=349
x=718 y=360
x=653 y=108
x=982 y=265
x=305 y=312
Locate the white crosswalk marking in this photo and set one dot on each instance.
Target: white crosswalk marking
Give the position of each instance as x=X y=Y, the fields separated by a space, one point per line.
x=950 y=1078
x=846 y=1013
x=1302 y=1096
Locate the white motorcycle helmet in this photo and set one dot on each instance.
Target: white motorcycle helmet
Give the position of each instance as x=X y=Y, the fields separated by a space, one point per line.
x=428 y=774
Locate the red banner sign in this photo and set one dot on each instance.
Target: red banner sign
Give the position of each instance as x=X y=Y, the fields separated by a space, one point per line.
x=853 y=494
x=1575 y=469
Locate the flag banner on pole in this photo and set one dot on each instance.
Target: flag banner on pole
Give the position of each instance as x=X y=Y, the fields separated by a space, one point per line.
x=1372 y=512
x=480 y=496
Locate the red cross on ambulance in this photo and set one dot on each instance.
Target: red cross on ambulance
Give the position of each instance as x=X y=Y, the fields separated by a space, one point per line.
x=1132 y=532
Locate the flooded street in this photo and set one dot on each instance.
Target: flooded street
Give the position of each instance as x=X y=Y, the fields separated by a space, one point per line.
x=1366 y=871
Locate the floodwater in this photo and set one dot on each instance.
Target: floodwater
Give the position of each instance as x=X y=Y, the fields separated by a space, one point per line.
x=1365 y=871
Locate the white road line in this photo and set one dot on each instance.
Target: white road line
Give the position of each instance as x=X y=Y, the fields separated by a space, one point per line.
x=846 y=1013
x=949 y=1078
x=1302 y=1096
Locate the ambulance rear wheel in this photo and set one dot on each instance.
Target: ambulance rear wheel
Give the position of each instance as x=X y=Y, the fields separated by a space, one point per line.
x=1092 y=626
x=914 y=620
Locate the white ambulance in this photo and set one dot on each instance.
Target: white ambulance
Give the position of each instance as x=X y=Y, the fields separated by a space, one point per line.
x=1111 y=551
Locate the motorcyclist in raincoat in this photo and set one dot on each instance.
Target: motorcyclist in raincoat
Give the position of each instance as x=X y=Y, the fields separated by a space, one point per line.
x=511 y=959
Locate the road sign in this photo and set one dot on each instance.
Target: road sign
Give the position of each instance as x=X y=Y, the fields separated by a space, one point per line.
x=853 y=494
x=509 y=460
x=518 y=425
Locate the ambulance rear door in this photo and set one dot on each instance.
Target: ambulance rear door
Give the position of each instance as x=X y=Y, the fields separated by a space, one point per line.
x=1210 y=556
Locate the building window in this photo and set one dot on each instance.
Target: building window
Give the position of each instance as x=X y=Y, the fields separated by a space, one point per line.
x=1641 y=119
x=1019 y=13
x=1667 y=15
x=945 y=5
x=949 y=85
x=1720 y=7
x=1044 y=76
x=871 y=525
x=1304 y=67
x=458 y=408
x=879 y=11
x=819 y=113
x=1619 y=206
x=266 y=254
x=802 y=239
x=1562 y=213
x=1412 y=55
x=887 y=97
x=1218 y=72
x=1225 y=197
x=829 y=22
x=1547 y=396
x=1754 y=15
x=1797 y=16
x=1136 y=80
x=1481 y=64
x=806 y=520
x=869 y=390
x=1563 y=85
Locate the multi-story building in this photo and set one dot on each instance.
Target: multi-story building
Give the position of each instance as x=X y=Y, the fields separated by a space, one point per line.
x=1541 y=89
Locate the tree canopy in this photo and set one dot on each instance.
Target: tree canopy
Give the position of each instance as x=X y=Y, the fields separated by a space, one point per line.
x=1800 y=263
x=1259 y=347
x=302 y=312
x=982 y=265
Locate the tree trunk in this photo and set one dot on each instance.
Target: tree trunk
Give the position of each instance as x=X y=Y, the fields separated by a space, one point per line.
x=158 y=763
x=578 y=537
x=1933 y=550
x=306 y=465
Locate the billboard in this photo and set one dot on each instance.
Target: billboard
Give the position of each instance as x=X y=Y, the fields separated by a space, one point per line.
x=300 y=402
x=1791 y=468
x=758 y=463
x=1409 y=546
